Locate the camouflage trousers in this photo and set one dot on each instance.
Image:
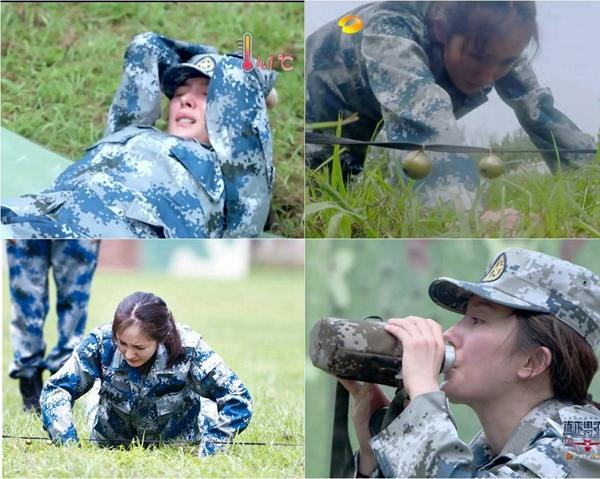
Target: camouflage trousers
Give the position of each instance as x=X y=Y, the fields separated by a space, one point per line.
x=73 y=264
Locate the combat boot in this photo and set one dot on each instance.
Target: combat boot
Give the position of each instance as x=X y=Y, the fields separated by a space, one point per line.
x=31 y=389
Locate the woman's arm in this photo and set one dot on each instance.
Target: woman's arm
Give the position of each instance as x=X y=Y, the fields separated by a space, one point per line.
x=70 y=382
x=534 y=107
x=214 y=380
x=137 y=101
x=239 y=131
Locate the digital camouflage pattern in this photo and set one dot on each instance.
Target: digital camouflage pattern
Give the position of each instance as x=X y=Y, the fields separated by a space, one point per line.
x=423 y=442
x=360 y=350
x=141 y=182
x=163 y=405
x=532 y=281
x=393 y=71
x=29 y=261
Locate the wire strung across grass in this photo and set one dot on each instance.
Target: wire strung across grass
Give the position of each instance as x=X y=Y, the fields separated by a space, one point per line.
x=191 y=443
x=323 y=139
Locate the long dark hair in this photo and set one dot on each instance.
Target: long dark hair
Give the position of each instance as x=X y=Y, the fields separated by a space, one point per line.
x=481 y=21
x=154 y=318
x=573 y=360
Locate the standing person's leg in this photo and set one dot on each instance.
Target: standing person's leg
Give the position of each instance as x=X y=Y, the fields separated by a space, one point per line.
x=28 y=263
x=73 y=265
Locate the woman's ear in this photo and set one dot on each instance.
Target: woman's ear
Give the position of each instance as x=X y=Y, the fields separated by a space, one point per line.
x=537 y=362
x=439 y=32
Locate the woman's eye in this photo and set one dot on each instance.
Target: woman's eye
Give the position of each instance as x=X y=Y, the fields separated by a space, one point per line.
x=476 y=320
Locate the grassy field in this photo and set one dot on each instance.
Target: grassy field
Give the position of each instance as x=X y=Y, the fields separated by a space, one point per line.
x=255 y=324
x=565 y=205
x=62 y=65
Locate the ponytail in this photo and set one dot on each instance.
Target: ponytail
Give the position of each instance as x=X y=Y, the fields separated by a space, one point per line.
x=172 y=341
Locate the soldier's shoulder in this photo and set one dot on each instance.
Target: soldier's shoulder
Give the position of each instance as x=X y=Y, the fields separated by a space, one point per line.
x=402 y=19
x=189 y=337
x=577 y=412
x=102 y=334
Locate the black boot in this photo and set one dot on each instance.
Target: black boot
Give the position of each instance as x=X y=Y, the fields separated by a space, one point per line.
x=31 y=389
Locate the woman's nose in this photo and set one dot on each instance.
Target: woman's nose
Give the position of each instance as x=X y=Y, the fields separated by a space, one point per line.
x=453 y=336
x=486 y=75
x=187 y=100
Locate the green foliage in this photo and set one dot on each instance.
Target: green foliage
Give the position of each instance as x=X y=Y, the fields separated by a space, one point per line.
x=62 y=65
x=255 y=324
x=551 y=206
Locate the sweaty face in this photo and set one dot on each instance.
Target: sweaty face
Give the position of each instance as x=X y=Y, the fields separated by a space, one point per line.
x=486 y=361
x=187 y=110
x=135 y=346
x=472 y=70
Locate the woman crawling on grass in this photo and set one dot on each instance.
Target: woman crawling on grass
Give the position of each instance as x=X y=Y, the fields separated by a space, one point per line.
x=209 y=175
x=419 y=66
x=159 y=381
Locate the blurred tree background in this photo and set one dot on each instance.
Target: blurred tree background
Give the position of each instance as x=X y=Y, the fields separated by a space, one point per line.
x=390 y=278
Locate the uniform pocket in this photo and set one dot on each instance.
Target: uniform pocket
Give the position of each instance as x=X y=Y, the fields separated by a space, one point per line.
x=201 y=164
x=169 y=403
x=113 y=398
x=121 y=136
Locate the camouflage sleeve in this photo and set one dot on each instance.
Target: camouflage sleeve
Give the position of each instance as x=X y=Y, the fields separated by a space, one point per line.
x=137 y=100
x=239 y=132
x=74 y=379
x=534 y=107
x=214 y=380
x=423 y=442
x=416 y=109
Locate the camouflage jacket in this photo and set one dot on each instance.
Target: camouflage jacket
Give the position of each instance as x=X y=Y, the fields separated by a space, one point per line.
x=141 y=182
x=164 y=404
x=423 y=442
x=393 y=70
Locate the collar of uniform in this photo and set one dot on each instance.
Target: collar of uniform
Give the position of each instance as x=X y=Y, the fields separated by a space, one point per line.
x=531 y=425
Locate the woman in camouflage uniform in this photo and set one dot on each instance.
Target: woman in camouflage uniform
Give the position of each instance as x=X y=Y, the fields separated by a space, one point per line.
x=524 y=362
x=158 y=382
x=210 y=175
x=419 y=66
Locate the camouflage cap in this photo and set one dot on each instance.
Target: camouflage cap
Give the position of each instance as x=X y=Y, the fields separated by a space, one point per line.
x=197 y=66
x=532 y=281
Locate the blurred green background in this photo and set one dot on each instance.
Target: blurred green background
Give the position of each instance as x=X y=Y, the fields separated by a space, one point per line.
x=389 y=278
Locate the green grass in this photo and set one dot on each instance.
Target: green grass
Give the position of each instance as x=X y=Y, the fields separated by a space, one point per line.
x=61 y=66
x=255 y=324
x=565 y=205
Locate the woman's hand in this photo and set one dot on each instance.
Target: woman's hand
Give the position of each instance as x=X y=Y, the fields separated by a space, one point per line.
x=423 y=351
x=367 y=399
x=272 y=98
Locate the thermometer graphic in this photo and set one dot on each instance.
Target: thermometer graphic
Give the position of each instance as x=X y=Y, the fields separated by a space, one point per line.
x=247 y=64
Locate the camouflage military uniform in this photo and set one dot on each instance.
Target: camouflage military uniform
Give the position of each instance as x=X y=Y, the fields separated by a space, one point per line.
x=141 y=182
x=393 y=70
x=163 y=405
x=423 y=440
x=73 y=264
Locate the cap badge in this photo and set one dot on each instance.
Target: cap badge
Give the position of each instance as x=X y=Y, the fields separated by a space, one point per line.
x=496 y=269
x=206 y=64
